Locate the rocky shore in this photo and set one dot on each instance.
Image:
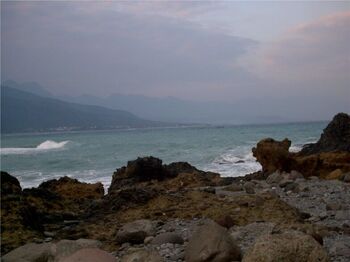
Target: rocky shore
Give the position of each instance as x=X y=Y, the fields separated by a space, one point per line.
x=296 y=209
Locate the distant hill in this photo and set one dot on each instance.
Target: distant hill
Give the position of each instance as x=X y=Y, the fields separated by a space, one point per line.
x=27 y=112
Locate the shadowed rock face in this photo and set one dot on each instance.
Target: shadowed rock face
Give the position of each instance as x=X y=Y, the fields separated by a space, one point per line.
x=27 y=210
x=336 y=136
x=330 y=153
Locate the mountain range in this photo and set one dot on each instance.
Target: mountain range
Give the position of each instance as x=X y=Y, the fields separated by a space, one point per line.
x=34 y=111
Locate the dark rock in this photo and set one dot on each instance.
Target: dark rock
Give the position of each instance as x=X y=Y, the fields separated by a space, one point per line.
x=9 y=184
x=336 y=136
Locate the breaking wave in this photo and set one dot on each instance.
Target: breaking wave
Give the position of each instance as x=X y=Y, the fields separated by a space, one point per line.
x=43 y=147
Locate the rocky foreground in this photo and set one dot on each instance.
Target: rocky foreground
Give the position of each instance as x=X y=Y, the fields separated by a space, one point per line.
x=296 y=209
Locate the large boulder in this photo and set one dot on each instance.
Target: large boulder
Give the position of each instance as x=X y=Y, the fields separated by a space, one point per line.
x=273 y=155
x=336 y=136
x=211 y=242
x=135 y=232
x=30 y=253
x=288 y=247
x=90 y=255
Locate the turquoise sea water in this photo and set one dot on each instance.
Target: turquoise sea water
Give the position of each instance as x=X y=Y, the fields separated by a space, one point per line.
x=93 y=156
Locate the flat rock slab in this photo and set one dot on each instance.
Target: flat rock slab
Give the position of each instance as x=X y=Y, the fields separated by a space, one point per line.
x=90 y=255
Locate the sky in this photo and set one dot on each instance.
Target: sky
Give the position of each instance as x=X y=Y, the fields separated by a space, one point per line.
x=291 y=52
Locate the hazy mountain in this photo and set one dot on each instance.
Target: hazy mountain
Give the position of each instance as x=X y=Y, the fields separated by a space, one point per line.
x=177 y=110
x=31 y=87
x=23 y=112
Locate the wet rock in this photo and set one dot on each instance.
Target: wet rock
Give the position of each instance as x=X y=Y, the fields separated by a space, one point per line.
x=89 y=255
x=285 y=182
x=135 y=232
x=211 y=242
x=169 y=237
x=30 y=253
x=289 y=246
x=142 y=256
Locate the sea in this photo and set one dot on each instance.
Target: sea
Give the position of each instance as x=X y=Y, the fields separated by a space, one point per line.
x=93 y=156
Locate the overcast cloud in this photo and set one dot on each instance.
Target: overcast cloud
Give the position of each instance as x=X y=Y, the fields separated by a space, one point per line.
x=193 y=50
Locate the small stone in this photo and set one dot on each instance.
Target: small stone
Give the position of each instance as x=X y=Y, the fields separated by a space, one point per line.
x=285 y=182
x=346 y=178
x=48 y=239
x=49 y=234
x=249 y=188
x=148 y=240
x=333 y=206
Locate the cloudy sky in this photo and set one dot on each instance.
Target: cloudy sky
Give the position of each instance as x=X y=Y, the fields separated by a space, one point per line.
x=224 y=51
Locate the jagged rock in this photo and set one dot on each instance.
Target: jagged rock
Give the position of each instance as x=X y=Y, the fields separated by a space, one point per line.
x=9 y=185
x=67 y=187
x=211 y=242
x=90 y=255
x=30 y=253
x=142 y=256
x=135 y=232
x=167 y=237
x=273 y=155
x=289 y=247
x=336 y=136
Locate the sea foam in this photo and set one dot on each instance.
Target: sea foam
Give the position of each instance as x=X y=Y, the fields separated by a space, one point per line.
x=43 y=147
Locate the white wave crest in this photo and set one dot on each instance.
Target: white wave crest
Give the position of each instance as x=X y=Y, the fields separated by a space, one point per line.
x=236 y=162
x=43 y=147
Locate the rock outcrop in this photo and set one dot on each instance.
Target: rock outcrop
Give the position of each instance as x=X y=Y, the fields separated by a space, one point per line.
x=52 y=202
x=330 y=153
x=273 y=155
x=335 y=137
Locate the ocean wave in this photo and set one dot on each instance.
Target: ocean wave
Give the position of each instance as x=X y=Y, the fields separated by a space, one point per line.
x=43 y=147
x=236 y=162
